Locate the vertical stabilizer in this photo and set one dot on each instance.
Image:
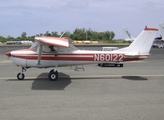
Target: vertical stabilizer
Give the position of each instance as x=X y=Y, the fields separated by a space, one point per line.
x=127 y=35
x=161 y=27
x=143 y=43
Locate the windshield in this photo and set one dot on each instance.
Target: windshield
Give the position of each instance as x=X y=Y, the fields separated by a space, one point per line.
x=34 y=46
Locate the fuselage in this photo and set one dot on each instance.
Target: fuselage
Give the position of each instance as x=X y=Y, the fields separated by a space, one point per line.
x=29 y=58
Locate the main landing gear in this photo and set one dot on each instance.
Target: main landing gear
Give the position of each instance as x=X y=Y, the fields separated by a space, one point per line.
x=53 y=74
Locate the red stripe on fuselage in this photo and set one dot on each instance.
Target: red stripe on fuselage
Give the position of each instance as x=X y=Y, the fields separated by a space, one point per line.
x=68 y=57
x=73 y=57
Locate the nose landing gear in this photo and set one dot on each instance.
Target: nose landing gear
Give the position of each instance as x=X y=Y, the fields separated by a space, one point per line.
x=21 y=75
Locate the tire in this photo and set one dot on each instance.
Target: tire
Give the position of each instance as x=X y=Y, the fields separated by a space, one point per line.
x=51 y=70
x=53 y=76
x=115 y=65
x=102 y=64
x=160 y=46
x=121 y=65
x=20 y=76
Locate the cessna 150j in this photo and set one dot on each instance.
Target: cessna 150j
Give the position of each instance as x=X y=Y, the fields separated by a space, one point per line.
x=55 y=52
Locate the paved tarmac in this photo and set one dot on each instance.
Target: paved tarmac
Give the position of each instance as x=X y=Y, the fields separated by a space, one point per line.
x=134 y=92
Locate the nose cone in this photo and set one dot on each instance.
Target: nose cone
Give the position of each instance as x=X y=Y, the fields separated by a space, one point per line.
x=8 y=54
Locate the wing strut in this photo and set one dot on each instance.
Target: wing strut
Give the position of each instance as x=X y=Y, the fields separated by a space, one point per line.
x=39 y=54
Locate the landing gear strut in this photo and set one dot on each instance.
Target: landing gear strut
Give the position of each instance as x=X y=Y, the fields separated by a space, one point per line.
x=53 y=74
x=21 y=75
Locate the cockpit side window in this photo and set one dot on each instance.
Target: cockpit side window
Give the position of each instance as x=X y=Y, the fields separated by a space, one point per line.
x=48 y=48
x=51 y=48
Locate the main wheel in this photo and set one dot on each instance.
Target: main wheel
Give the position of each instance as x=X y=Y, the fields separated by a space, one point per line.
x=102 y=64
x=115 y=65
x=51 y=70
x=53 y=76
x=121 y=65
x=20 y=76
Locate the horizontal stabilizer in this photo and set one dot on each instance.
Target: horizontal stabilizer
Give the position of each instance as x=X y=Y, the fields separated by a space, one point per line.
x=132 y=55
x=55 y=41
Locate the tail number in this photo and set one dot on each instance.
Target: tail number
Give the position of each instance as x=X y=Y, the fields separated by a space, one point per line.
x=108 y=57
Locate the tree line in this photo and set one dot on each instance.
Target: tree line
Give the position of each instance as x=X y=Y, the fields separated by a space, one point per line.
x=78 y=34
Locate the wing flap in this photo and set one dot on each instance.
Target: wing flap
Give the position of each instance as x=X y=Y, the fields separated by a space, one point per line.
x=55 y=41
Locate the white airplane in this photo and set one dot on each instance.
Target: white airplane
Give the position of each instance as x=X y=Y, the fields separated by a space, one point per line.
x=161 y=27
x=54 y=52
x=127 y=35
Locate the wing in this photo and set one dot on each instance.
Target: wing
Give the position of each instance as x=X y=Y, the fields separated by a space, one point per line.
x=55 y=41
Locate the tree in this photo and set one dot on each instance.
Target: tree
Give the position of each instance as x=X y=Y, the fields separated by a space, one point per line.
x=2 y=39
x=78 y=34
x=47 y=34
x=41 y=34
x=55 y=34
x=19 y=39
x=9 y=38
x=31 y=38
x=107 y=35
x=23 y=35
x=112 y=35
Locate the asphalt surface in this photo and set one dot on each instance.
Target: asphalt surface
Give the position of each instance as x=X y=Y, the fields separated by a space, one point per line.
x=134 y=92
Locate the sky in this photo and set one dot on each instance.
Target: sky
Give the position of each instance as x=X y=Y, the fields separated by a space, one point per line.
x=38 y=16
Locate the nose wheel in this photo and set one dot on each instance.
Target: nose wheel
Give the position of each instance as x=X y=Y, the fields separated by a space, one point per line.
x=21 y=75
